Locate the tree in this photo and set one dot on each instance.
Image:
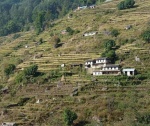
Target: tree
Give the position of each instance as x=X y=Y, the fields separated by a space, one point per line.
x=32 y=70
x=69 y=117
x=115 y=32
x=108 y=44
x=126 y=4
x=20 y=77
x=146 y=35
x=24 y=75
x=56 y=40
x=110 y=54
x=70 y=30
x=121 y=5
x=39 y=21
x=9 y=69
x=129 y=3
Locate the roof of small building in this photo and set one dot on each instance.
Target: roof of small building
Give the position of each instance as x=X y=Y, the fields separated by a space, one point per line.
x=128 y=69
x=106 y=71
x=111 y=65
x=97 y=64
x=93 y=32
x=8 y=123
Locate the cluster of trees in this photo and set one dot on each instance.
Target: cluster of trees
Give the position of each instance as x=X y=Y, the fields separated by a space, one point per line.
x=109 y=51
x=26 y=74
x=71 y=31
x=126 y=4
x=17 y=15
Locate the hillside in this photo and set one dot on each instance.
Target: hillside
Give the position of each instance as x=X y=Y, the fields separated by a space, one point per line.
x=60 y=82
x=24 y=15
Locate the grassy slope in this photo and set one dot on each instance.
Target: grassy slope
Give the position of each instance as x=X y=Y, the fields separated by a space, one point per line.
x=112 y=105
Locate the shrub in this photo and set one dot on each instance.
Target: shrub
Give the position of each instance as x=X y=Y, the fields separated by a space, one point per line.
x=110 y=54
x=126 y=4
x=146 y=35
x=70 y=30
x=129 y=3
x=121 y=5
x=9 y=69
x=143 y=118
x=56 y=40
x=69 y=117
x=23 y=101
x=32 y=70
x=16 y=36
x=108 y=44
x=20 y=78
x=114 y=33
x=25 y=75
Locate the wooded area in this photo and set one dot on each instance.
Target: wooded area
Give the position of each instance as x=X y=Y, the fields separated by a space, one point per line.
x=20 y=15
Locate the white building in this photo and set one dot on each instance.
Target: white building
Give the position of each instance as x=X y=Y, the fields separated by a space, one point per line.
x=103 y=60
x=108 y=69
x=90 y=33
x=8 y=124
x=129 y=71
x=89 y=63
x=81 y=8
x=97 y=63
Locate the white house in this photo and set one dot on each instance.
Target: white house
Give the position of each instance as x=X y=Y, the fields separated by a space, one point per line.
x=89 y=63
x=97 y=63
x=108 y=69
x=100 y=62
x=83 y=7
x=90 y=33
x=8 y=124
x=103 y=60
x=129 y=71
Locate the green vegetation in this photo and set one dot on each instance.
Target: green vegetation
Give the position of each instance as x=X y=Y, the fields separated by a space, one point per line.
x=146 y=35
x=56 y=40
x=9 y=69
x=108 y=44
x=17 y=15
x=109 y=51
x=59 y=79
x=143 y=118
x=126 y=4
x=69 y=30
x=69 y=117
x=32 y=70
x=114 y=33
x=26 y=74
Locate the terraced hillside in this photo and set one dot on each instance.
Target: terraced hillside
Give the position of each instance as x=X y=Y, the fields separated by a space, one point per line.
x=97 y=100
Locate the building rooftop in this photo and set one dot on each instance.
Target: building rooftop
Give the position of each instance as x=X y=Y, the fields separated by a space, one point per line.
x=106 y=71
x=128 y=69
x=111 y=65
